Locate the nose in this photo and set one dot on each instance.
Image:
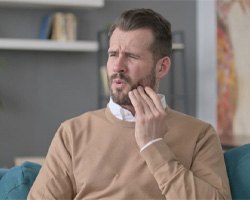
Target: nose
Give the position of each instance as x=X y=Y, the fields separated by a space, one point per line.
x=120 y=65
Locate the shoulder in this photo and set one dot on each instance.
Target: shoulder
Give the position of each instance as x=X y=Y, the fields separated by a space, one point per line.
x=190 y=125
x=191 y=133
x=84 y=118
x=185 y=119
x=81 y=123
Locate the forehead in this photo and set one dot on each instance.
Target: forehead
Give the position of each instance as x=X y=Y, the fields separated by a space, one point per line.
x=139 y=39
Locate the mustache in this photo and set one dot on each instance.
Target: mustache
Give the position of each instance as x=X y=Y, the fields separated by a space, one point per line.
x=126 y=79
x=120 y=76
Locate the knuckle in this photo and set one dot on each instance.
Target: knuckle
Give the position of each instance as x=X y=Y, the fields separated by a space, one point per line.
x=158 y=115
x=141 y=120
x=150 y=117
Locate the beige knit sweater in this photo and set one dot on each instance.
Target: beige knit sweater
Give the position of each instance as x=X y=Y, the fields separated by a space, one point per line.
x=95 y=156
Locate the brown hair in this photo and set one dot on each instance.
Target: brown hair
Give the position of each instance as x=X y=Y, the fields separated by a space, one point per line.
x=147 y=18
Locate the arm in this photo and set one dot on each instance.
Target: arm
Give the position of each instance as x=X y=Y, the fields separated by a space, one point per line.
x=205 y=179
x=55 y=180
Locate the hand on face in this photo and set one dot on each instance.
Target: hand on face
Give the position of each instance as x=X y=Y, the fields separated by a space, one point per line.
x=150 y=115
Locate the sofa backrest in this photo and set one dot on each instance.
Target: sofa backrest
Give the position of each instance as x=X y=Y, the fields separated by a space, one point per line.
x=238 y=169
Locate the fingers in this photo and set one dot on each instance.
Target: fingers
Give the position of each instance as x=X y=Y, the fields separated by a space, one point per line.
x=139 y=104
x=148 y=101
x=145 y=101
x=149 y=120
x=155 y=99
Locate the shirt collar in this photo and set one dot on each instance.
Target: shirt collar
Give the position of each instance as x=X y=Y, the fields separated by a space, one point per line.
x=124 y=114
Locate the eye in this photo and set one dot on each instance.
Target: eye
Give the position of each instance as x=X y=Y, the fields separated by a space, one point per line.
x=133 y=56
x=112 y=54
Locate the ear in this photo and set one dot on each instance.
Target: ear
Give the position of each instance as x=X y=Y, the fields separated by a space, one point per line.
x=162 y=67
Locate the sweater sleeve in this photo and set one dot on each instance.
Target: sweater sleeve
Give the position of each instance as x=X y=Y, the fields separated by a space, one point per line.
x=205 y=179
x=55 y=179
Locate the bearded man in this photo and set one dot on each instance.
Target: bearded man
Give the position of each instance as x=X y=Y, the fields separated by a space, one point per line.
x=137 y=147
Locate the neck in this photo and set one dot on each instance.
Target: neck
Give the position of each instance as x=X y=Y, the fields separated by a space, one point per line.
x=130 y=108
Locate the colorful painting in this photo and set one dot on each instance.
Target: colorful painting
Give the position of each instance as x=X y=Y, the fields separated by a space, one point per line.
x=233 y=67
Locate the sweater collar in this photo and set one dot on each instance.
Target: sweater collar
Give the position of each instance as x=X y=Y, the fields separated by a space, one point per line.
x=124 y=114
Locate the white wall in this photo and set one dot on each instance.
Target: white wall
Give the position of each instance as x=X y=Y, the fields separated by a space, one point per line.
x=206 y=61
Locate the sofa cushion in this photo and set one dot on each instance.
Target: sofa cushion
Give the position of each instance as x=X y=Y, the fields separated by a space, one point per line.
x=238 y=169
x=17 y=181
x=3 y=171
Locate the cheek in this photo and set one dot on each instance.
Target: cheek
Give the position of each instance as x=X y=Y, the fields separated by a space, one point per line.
x=138 y=72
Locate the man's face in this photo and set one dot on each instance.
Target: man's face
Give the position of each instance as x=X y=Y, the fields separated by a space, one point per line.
x=130 y=63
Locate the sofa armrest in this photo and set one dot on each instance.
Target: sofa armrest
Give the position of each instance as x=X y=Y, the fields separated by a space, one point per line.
x=17 y=181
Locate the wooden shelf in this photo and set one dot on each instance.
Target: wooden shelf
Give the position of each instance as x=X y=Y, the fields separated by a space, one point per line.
x=178 y=46
x=48 y=45
x=54 y=3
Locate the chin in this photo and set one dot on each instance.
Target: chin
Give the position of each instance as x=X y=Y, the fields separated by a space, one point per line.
x=121 y=91
x=121 y=98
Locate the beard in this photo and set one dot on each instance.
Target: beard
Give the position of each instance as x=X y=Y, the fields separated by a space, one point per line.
x=121 y=97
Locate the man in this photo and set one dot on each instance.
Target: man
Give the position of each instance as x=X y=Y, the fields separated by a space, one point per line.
x=137 y=147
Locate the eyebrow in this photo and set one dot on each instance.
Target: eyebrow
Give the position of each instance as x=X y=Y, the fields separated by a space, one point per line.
x=126 y=53
x=112 y=51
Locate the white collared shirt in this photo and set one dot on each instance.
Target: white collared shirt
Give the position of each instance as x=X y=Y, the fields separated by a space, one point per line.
x=124 y=114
